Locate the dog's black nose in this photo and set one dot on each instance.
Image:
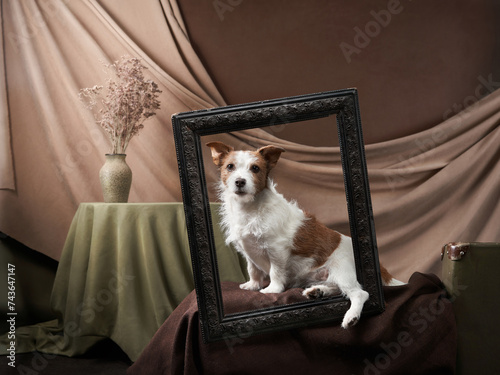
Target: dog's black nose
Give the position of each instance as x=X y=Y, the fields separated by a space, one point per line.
x=240 y=182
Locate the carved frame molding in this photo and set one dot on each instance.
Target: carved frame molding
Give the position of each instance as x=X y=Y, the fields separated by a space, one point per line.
x=189 y=127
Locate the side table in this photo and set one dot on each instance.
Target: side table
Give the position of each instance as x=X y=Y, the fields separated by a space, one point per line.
x=123 y=270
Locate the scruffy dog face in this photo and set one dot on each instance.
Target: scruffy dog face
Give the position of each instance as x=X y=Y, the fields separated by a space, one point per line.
x=244 y=173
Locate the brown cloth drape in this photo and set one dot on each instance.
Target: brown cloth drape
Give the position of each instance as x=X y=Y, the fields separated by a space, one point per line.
x=416 y=334
x=428 y=188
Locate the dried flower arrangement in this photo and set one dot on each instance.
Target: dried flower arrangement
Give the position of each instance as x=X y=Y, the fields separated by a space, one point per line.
x=126 y=102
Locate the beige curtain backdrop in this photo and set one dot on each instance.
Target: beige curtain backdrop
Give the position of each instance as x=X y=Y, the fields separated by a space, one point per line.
x=435 y=186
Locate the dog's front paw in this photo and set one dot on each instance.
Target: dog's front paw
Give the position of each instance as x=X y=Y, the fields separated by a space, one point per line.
x=273 y=289
x=350 y=319
x=250 y=285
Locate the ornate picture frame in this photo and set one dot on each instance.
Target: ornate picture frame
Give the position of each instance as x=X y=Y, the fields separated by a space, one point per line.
x=189 y=127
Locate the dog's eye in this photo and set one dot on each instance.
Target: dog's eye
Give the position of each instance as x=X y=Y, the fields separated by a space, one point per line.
x=255 y=169
x=230 y=167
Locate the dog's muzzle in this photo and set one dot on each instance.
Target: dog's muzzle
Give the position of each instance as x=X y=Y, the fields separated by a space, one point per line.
x=240 y=185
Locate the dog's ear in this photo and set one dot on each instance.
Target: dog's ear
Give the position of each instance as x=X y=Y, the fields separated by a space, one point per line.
x=271 y=154
x=219 y=152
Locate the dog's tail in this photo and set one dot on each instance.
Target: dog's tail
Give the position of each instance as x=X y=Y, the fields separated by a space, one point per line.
x=393 y=282
x=387 y=279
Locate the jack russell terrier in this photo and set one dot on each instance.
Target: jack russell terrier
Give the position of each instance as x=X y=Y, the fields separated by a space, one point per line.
x=278 y=239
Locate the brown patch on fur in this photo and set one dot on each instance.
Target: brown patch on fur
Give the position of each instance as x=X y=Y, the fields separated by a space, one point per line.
x=224 y=172
x=267 y=158
x=260 y=177
x=315 y=240
x=386 y=276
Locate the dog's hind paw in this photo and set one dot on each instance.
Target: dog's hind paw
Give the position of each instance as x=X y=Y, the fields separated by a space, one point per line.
x=313 y=292
x=349 y=320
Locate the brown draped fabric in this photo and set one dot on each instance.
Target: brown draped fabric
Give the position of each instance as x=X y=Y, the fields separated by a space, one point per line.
x=428 y=188
x=177 y=346
x=52 y=50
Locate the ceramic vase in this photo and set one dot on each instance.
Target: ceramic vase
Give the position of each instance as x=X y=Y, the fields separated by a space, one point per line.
x=116 y=178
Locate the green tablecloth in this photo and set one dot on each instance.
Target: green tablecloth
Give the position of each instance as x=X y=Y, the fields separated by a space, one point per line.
x=123 y=270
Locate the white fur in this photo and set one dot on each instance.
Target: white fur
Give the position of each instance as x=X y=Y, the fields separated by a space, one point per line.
x=262 y=227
